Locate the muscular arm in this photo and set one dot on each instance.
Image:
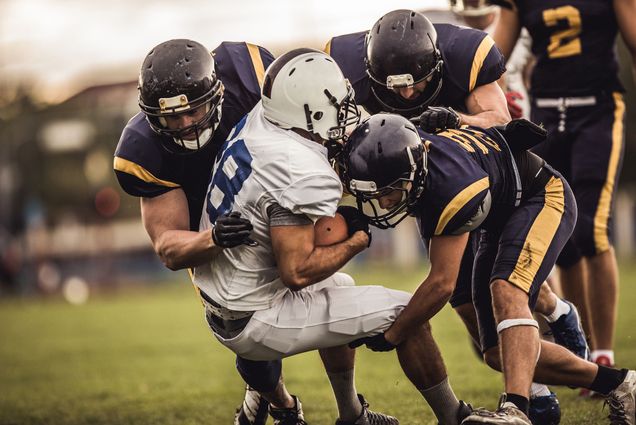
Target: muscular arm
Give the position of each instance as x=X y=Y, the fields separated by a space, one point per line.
x=167 y=221
x=301 y=263
x=486 y=106
x=626 y=16
x=445 y=253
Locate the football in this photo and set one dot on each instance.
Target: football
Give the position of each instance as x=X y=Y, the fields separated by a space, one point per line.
x=330 y=230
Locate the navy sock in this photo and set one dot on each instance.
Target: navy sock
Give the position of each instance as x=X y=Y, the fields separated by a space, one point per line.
x=520 y=401
x=607 y=379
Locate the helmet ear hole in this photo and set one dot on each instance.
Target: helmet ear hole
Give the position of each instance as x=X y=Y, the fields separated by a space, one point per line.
x=317 y=115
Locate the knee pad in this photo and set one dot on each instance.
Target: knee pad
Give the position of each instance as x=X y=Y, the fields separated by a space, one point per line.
x=263 y=376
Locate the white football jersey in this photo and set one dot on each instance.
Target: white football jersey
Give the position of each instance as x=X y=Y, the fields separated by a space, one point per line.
x=260 y=165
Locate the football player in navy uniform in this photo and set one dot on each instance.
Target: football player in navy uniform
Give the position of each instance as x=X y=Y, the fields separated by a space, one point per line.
x=190 y=100
x=576 y=94
x=455 y=182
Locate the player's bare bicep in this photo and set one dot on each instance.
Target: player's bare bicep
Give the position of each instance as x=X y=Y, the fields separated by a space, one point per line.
x=168 y=211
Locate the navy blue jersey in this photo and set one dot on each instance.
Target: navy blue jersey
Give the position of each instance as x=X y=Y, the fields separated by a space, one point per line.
x=463 y=166
x=470 y=56
x=145 y=168
x=573 y=41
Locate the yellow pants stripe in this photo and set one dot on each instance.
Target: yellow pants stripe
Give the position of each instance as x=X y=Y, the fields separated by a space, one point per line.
x=539 y=236
x=601 y=217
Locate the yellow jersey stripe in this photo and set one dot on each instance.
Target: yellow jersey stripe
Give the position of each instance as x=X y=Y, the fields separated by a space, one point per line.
x=539 y=236
x=327 y=48
x=601 y=217
x=478 y=60
x=458 y=202
x=129 y=167
x=257 y=61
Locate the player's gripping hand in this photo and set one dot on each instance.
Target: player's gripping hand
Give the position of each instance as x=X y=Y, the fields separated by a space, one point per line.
x=513 y=107
x=231 y=230
x=356 y=221
x=437 y=118
x=374 y=343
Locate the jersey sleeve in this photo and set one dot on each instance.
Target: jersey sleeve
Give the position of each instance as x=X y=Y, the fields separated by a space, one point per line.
x=471 y=58
x=315 y=196
x=465 y=211
x=488 y=64
x=137 y=164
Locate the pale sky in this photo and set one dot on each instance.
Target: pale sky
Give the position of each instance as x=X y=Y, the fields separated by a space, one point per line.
x=57 y=45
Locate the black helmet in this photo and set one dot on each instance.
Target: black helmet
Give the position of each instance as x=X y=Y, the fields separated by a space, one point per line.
x=383 y=154
x=401 y=51
x=176 y=77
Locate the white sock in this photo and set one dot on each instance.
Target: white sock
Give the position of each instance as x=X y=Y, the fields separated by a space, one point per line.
x=561 y=308
x=607 y=353
x=443 y=402
x=539 y=390
x=344 y=389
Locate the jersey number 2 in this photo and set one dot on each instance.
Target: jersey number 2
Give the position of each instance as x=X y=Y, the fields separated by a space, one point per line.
x=565 y=42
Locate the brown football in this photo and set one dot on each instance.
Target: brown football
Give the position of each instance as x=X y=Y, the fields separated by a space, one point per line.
x=330 y=230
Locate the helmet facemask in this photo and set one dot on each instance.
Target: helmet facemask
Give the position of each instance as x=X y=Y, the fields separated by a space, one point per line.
x=200 y=132
x=409 y=188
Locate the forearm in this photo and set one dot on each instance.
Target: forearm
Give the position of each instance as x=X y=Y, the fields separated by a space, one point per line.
x=179 y=249
x=323 y=262
x=429 y=298
x=486 y=119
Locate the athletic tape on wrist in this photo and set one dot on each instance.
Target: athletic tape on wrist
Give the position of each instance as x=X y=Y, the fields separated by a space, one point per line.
x=509 y=323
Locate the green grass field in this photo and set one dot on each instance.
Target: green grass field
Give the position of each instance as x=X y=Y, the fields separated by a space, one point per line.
x=146 y=357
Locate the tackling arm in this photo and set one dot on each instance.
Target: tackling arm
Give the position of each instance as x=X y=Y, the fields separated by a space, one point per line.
x=487 y=107
x=445 y=254
x=301 y=263
x=166 y=219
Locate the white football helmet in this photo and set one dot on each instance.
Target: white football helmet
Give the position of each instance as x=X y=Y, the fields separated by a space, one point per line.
x=305 y=89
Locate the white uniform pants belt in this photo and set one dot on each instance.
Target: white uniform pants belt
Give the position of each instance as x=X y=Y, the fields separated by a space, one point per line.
x=544 y=102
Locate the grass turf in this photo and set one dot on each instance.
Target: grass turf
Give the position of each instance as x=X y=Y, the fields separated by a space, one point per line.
x=146 y=357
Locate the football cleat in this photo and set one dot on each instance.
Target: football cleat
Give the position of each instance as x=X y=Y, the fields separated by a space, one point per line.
x=568 y=332
x=288 y=416
x=506 y=414
x=545 y=410
x=253 y=411
x=622 y=402
x=368 y=417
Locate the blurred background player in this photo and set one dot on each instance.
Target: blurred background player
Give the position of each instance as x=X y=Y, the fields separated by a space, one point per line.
x=190 y=99
x=577 y=96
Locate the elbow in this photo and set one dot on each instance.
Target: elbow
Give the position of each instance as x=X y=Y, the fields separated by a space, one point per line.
x=294 y=281
x=168 y=258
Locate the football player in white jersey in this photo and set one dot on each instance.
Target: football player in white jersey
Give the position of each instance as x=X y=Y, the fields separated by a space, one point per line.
x=282 y=295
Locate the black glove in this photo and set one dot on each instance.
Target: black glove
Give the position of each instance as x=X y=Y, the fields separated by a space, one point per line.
x=374 y=343
x=438 y=118
x=231 y=230
x=355 y=221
